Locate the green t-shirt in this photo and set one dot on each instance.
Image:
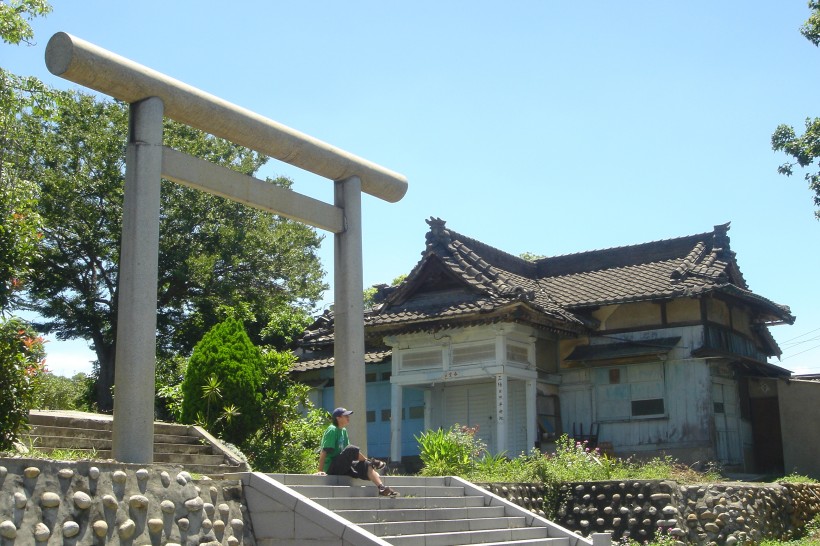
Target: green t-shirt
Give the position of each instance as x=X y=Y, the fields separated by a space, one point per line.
x=333 y=442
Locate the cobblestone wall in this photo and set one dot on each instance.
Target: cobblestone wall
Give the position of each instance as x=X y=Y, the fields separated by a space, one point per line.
x=84 y=503
x=713 y=514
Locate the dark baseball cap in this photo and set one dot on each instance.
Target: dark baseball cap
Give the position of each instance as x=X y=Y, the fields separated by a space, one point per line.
x=338 y=412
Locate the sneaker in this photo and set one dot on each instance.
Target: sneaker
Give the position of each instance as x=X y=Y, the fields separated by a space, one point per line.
x=387 y=492
x=377 y=464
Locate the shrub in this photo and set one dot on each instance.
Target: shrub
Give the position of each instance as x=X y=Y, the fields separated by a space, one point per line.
x=222 y=389
x=55 y=392
x=291 y=430
x=294 y=449
x=450 y=452
x=170 y=373
x=22 y=362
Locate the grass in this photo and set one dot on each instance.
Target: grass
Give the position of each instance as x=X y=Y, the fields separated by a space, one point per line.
x=796 y=478
x=31 y=451
x=63 y=454
x=575 y=462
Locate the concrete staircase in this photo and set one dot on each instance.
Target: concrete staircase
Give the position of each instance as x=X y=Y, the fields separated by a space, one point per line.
x=89 y=433
x=440 y=511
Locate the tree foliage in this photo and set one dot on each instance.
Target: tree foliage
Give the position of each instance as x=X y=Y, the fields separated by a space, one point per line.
x=291 y=428
x=55 y=392
x=22 y=362
x=804 y=150
x=15 y=16
x=20 y=223
x=225 y=371
x=213 y=252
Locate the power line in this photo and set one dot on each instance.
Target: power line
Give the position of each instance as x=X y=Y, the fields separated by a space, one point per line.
x=796 y=343
x=801 y=335
x=801 y=352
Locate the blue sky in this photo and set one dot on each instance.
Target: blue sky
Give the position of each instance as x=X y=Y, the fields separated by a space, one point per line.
x=534 y=126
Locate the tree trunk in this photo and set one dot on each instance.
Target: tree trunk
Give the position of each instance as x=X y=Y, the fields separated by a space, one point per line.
x=105 y=379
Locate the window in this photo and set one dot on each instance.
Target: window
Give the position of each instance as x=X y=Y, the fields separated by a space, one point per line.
x=428 y=358
x=416 y=412
x=386 y=376
x=472 y=354
x=385 y=415
x=641 y=408
x=517 y=353
x=371 y=416
x=370 y=377
x=629 y=392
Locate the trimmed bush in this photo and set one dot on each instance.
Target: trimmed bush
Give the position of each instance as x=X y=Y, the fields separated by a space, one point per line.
x=222 y=389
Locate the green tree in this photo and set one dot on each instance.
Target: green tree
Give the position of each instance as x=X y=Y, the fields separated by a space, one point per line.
x=374 y=294
x=213 y=252
x=55 y=392
x=21 y=348
x=14 y=18
x=225 y=369
x=804 y=149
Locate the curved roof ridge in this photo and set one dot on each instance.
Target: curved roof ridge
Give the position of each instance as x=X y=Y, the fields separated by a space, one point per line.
x=440 y=234
x=621 y=256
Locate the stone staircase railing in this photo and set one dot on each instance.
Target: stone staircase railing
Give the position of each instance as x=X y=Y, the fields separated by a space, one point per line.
x=439 y=511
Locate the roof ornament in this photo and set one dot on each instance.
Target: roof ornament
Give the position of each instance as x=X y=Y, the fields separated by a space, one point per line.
x=438 y=237
x=720 y=241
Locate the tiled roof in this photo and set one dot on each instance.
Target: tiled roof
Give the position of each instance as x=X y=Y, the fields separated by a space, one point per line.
x=370 y=357
x=459 y=278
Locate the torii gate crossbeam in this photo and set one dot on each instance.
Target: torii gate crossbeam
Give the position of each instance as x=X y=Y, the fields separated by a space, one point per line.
x=151 y=96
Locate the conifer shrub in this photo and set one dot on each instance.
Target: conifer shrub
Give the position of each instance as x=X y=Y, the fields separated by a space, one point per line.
x=222 y=389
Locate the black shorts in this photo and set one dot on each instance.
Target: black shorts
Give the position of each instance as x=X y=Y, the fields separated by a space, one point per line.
x=347 y=463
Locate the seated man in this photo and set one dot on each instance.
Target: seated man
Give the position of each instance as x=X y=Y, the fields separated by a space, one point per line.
x=339 y=458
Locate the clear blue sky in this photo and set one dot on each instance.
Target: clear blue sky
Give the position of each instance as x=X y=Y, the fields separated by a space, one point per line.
x=533 y=126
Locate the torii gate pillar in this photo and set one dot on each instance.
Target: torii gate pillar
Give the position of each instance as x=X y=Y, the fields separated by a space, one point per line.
x=133 y=433
x=348 y=353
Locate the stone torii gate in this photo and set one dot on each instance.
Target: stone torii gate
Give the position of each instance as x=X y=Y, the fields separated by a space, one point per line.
x=152 y=95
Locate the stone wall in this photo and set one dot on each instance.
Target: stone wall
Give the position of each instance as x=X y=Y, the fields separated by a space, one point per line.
x=95 y=503
x=713 y=514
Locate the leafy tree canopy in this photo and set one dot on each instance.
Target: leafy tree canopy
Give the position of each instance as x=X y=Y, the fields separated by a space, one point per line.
x=15 y=16
x=531 y=257
x=375 y=293
x=804 y=149
x=214 y=253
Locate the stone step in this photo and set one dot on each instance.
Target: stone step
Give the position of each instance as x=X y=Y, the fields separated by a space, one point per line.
x=402 y=514
x=48 y=431
x=104 y=444
x=312 y=479
x=161 y=435
x=329 y=491
x=558 y=541
x=514 y=536
x=183 y=459
x=375 y=502
x=75 y=419
x=436 y=526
